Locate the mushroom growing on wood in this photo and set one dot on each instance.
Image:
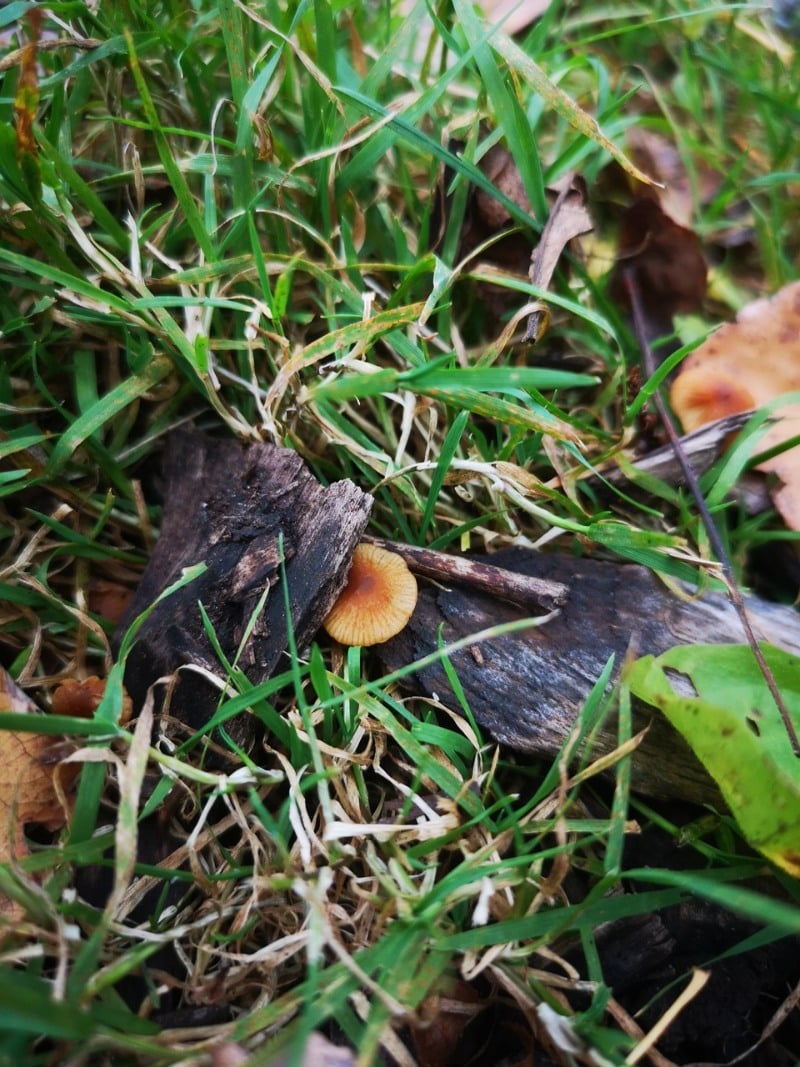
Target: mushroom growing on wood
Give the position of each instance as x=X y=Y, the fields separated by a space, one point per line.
x=378 y=600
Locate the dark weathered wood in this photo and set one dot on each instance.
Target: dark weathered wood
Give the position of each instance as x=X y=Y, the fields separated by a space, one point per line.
x=702 y=448
x=527 y=688
x=245 y=513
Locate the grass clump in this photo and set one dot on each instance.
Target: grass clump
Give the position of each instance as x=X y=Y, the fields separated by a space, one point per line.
x=231 y=216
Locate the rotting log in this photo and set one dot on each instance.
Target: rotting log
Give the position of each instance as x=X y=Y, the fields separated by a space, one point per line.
x=526 y=688
x=251 y=515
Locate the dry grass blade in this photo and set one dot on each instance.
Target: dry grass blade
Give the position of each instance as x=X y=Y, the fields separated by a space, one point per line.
x=234 y=217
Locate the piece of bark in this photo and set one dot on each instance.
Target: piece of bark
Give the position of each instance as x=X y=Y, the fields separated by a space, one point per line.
x=242 y=512
x=702 y=449
x=527 y=688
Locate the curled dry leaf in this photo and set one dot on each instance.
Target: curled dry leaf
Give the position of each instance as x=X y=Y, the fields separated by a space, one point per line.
x=442 y=1019
x=109 y=599
x=485 y=222
x=569 y=218
x=667 y=262
x=499 y=167
x=28 y=793
x=744 y=365
x=659 y=157
x=34 y=782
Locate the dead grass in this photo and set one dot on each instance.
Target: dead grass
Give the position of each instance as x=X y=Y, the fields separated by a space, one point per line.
x=230 y=218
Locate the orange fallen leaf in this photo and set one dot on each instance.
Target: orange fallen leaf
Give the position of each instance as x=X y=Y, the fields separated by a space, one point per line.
x=34 y=782
x=747 y=364
x=109 y=599
x=28 y=792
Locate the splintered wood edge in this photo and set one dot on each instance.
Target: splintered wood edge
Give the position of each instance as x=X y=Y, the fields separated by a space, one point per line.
x=703 y=448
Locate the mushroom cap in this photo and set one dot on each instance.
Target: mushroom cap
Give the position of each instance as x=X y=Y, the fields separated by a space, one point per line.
x=378 y=600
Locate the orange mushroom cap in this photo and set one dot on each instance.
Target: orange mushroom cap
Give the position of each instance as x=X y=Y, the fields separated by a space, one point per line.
x=378 y=600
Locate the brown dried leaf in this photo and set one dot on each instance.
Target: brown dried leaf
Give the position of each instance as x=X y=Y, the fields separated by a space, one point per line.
x=499 y=167
x=667 y=265
x=27 y=770
x=659 y=157
x=442 y=1019
x=33 y=779
x=568 y=219
x=486 y=217
x=109 y=599
x=747 y=364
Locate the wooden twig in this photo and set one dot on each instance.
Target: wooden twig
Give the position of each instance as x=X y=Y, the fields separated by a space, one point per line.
x=532 y=594
x=705 y=516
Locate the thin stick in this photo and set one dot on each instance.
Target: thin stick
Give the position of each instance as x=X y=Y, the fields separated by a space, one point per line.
x=705 y=515
x=527 y=592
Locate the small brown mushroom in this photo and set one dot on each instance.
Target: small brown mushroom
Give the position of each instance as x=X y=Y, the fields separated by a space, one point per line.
x=378 y=600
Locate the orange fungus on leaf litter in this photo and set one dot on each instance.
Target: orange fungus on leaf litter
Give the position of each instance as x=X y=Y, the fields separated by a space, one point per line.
x=378 y=600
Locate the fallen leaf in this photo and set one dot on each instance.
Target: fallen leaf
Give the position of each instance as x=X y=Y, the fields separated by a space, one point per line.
x=80 y=698
x=34 y=782
x=659 y=157
x=716 y=693
x=499 y=167
x=109 y=599
x=486 y=218
x=442 y=1019
x=28 y=792
x=667 y=265
x=746 y=364
x=569 y=218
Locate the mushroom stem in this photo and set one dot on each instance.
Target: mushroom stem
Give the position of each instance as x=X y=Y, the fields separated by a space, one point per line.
x=527 y=592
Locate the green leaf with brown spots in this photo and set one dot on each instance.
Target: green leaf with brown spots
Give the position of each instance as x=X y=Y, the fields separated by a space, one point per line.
x=716 y=697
